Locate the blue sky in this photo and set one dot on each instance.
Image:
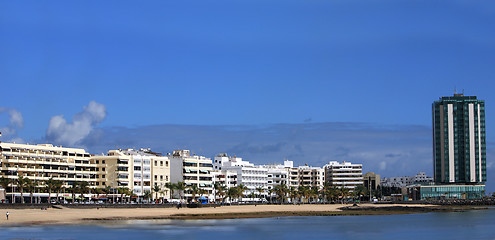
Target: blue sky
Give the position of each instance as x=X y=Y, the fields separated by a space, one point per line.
x=363 y=73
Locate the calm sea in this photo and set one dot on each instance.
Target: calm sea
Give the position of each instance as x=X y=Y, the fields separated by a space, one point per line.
x=473 y=224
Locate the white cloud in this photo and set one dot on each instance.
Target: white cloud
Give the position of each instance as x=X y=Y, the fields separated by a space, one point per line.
x=16 y=121
x=383 y=165
x=72 y=134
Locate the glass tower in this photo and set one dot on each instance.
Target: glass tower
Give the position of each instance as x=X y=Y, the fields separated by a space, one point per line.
x=459 y=145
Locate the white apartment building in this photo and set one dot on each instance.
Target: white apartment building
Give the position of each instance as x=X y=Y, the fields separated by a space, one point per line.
x=248 y=174
x=191 y=169
x=141 y=170
x=132 y=169
x=226 y=178
x=344 y=174
x=306 y=176
x=44 y=161
x=278 y=174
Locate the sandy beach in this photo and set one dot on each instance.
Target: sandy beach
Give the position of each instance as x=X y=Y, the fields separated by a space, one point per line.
x=81 y=216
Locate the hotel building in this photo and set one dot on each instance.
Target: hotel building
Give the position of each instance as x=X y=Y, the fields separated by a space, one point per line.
x=344 y=174
x=459 y=149
x=248 y=174
x=44 y=161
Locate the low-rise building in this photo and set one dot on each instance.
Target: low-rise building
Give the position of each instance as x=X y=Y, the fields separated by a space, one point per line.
x=371 y=180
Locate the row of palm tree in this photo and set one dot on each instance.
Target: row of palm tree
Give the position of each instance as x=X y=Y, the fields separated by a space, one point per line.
x=51 y=185
x=301 y=194
x=307 y=194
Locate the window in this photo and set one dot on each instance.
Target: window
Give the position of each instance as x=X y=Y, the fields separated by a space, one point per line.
x=103 y=169
x=102 y=176
x=156 y=177
x=97 y=183
x=103 y=161
x=161 y=163
x=161 y=177
x=166 y=163
x=103 y=184
x=97 y=162
x=156 y=163
x=166 y=178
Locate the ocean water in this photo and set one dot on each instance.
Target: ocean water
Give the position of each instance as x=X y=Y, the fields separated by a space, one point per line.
x=468 y=225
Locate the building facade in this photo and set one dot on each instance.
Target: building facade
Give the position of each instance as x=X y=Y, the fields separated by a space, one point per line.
x=42 y=162
x=251 y=176
x=459 y=140
x=344 y=174
x=192 y=170
x=371 y=180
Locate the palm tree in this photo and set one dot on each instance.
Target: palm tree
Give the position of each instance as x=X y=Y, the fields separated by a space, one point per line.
x=156 y=189
x=293 y=194
x=304 y=193
x=31 y=187
x=240 y=192
x=123 y=191
x=281 y=191
x=5 y=182
x=49 y=186
x=58 y=186
x=260 y=191
x=147 y=195
x=216 y=189
x=83 y=187
x=252 y=195
x=314 y=193
x=107 y=190
x=181 y=187
x=221 y=192
x=270 y=192
x=21 y=184
x=193 y=189
x=334 y=193
x=232 y=193
x=360 y=190
x=344 y=192
x=202 y=192
x=326 y=191
x=171 y=187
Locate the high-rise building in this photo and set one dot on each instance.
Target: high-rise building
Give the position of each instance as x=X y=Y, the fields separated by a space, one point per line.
x=459 y=150
x=459 y=146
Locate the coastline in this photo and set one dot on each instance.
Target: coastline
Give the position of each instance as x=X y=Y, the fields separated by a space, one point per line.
x=73 y=216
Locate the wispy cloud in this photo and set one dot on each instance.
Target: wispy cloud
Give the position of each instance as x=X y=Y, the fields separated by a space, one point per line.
x=390 y=150
x=73 y=134
x=16 y=122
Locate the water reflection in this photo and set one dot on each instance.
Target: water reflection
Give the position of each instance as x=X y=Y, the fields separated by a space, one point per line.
x=476 y=224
